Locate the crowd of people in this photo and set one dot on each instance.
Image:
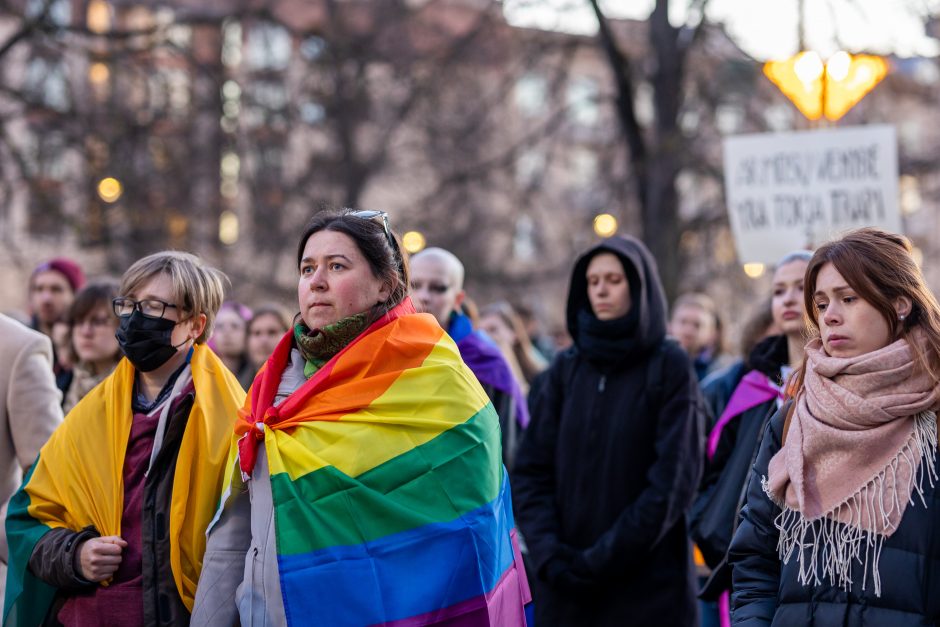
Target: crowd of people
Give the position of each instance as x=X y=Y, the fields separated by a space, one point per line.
x=384 y=451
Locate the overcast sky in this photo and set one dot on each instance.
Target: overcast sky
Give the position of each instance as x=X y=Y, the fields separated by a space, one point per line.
x=767 y=29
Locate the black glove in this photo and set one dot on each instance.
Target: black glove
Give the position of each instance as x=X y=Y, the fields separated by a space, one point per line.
x=567 y=568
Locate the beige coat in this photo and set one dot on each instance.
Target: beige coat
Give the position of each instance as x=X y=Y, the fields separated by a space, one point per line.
x=29 y=411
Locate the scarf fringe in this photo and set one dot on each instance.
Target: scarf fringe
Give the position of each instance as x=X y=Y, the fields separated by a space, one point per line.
x=825 y=547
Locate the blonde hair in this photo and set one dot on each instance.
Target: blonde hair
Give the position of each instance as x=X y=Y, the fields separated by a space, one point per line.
x=198 y=288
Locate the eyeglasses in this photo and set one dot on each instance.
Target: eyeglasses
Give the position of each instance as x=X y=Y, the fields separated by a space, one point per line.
x=150 y=307
x=370 y=214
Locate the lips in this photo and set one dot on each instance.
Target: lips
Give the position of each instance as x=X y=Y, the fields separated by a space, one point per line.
x=791 y=315
x=836 y=340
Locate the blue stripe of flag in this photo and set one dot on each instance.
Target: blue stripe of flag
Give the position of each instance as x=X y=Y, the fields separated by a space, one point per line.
x=402 y=575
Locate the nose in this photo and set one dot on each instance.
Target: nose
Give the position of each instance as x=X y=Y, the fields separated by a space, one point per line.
x=789 y=297
x=832 y=316
x=318 y=279
x=421 y=293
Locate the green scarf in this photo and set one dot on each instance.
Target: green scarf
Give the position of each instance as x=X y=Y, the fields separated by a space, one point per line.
x=319 y=345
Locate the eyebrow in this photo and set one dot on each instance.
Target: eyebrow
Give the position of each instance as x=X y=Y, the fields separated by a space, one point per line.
x=147 y=296
x=328 y=257
x=841 y=288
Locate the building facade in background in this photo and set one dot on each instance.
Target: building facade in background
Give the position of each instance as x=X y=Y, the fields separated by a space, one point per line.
x=220 y=127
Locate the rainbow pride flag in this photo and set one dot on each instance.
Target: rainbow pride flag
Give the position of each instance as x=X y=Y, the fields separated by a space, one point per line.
x=391 y=503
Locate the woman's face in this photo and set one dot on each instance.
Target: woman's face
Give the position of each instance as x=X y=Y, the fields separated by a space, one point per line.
x=607 y=287
x=787 y=302
x=264 y=332
x=335 y=280
x=229 y=334
x=849 y=325
x=494 y=326
x=93 y=336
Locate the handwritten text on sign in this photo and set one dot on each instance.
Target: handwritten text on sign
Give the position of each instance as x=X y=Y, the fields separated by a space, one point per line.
x=795 y=190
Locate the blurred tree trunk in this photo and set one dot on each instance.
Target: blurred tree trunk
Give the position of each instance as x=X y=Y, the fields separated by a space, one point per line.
x=656 y=154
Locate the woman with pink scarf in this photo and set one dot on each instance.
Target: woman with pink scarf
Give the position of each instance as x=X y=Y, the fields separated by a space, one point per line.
x=842 y=521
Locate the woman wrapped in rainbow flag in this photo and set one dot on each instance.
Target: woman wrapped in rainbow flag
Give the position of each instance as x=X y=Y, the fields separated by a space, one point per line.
x=368 y=487
x=109 y=526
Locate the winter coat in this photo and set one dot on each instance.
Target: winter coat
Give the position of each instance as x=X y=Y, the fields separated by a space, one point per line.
x=608 y=467
x=721 y=495
x=768 y=592
x=30 y=411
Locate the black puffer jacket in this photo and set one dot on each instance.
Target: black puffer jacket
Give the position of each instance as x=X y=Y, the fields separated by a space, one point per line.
x=608 y=467
x=767 y=592
x=713 y=516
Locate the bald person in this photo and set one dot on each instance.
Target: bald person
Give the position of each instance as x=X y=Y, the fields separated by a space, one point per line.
x=437 y=288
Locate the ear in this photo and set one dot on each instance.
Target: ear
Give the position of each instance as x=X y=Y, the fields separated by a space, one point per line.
x=385 y=291
x=197 y=324
x=903 y=306
x=458 y=300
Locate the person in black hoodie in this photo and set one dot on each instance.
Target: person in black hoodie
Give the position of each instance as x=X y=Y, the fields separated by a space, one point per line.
x=611 y=460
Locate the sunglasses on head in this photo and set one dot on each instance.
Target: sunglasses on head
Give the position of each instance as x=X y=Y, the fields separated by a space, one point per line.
x=369 y=214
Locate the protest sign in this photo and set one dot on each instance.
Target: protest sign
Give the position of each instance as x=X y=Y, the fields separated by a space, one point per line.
x=797 y=190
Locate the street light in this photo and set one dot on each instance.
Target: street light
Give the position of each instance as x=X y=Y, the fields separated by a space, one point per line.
x=826 y=89
x=754 y=270
x=605 y=225
x=413 y=241
x=228 y=228
x=110 y=189
x=98 y=73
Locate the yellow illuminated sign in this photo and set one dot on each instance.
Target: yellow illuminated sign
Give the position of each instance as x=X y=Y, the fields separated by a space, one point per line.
x=827 y=89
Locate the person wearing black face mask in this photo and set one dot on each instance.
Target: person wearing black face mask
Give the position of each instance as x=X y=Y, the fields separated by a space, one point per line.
x=146 y=341
x=125 y=489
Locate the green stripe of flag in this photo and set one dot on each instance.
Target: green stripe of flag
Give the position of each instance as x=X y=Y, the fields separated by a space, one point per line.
x=435 y=482
x=27 y=597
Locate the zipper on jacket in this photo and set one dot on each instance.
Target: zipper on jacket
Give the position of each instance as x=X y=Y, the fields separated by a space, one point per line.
x=251 y=594
x=151 y=496
x=602 y=383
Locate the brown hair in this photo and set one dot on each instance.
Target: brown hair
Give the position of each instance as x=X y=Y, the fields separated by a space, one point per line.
x=95 y=294
x=530 y=361
x=879 y=266
x=755 y=328
x=274 y=310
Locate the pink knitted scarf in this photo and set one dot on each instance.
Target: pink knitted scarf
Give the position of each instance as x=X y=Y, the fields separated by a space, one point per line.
x=852 y=459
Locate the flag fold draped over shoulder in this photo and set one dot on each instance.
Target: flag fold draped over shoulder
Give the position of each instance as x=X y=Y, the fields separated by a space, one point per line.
x=77 y=480
x=391 y=503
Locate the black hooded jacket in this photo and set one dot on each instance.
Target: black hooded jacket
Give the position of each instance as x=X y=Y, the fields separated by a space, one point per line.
x=610 y=463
